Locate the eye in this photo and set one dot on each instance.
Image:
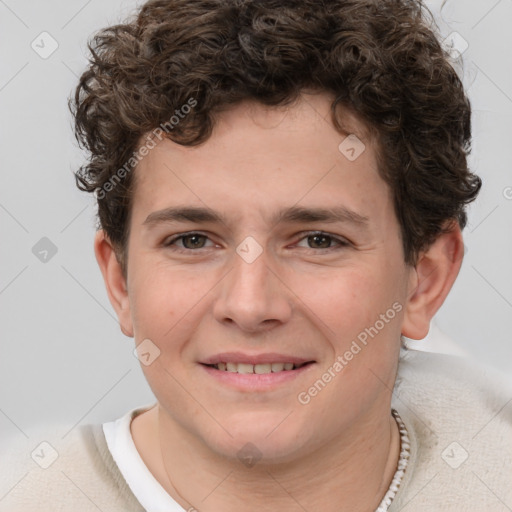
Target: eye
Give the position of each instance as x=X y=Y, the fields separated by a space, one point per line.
x=189 y=241
x=320 y=240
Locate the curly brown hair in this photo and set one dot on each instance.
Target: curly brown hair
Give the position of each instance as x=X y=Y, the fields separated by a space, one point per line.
x=379 y=58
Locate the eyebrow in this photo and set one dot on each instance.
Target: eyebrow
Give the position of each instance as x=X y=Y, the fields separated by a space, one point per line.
x=292 y=215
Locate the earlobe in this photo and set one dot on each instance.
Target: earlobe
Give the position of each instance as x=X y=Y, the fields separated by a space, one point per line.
x=115 y=281
x=431 y=280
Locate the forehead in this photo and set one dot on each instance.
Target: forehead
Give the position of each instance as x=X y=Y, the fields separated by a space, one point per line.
x=259 y=158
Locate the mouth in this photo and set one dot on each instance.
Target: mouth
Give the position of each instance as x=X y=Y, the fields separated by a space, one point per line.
x=256 y=372
x=258 y=369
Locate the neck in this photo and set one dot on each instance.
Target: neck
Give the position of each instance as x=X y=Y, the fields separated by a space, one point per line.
x=351 y=472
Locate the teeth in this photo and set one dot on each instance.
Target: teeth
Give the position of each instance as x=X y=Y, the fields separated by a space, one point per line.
x=245 y=368
x=277 y=367
x=259 y=369
x=262 y=368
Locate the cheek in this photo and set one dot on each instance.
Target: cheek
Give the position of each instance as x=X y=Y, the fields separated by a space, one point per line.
x=167 y=306
x=359 y=313
x=165 y=302
x=343 y=301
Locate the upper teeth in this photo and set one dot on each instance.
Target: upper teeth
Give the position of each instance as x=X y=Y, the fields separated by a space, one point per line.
x=254 y=368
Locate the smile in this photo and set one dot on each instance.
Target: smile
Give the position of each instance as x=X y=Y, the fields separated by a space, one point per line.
x=259 y=369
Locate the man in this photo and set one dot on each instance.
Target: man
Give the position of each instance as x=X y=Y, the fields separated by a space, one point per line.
x=281 y=192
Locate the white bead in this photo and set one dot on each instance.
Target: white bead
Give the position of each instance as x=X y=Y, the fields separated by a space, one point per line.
x=402 y=464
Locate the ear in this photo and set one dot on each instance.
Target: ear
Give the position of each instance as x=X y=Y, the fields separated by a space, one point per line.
x=114 y=281
x=431 y=280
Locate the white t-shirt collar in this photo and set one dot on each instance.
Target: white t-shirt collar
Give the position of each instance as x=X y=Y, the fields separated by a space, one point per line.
x=146 y=488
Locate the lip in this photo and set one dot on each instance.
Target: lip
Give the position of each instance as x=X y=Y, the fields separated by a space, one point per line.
x=244 y=358
x=255 y=382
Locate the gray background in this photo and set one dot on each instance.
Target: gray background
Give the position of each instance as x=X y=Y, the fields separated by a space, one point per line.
x=63 y=357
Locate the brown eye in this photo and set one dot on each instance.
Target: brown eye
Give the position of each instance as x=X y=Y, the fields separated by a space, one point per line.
x=322 y=242
x=188 y=242
x=319 y=241
x=194 y=241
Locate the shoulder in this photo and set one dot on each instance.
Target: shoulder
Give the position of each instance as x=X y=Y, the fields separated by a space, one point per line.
x=454 y=394
x=56 y=472
x=454 y=381
x=459 y=416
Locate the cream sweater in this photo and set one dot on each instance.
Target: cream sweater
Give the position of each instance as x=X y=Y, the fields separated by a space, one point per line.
x=458 y=414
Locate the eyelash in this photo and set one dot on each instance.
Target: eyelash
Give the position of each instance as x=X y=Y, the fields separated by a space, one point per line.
x=340 y=242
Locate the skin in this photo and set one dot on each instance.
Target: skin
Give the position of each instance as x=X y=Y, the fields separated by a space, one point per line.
x=339 y=452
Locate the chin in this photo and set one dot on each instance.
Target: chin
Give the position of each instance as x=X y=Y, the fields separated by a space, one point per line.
x=260 y=440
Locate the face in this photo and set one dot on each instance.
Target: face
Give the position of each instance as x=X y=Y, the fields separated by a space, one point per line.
x=267 y=246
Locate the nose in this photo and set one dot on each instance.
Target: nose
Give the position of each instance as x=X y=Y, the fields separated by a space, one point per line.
x=253 y=297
